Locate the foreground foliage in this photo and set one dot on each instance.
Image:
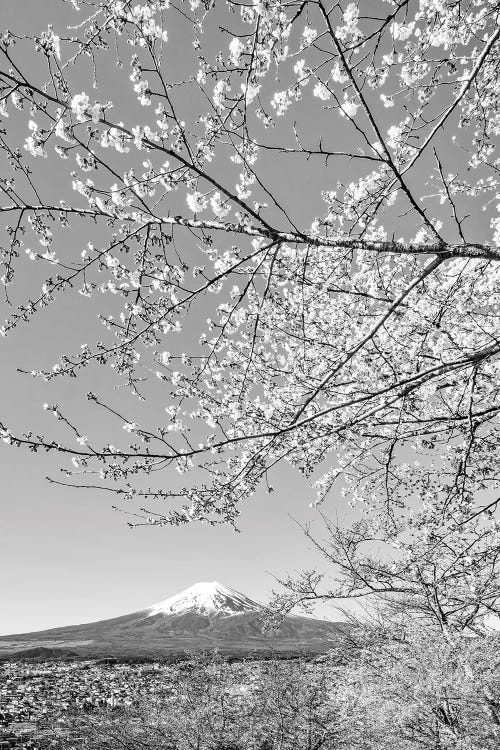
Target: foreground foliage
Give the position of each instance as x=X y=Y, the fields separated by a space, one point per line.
x=387 y=689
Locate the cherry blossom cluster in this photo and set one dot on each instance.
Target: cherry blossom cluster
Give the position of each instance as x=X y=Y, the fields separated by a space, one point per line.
x=283 y=226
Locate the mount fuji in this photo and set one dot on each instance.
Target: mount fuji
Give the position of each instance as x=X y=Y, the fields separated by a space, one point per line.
x=203 y=616
x=208 y=599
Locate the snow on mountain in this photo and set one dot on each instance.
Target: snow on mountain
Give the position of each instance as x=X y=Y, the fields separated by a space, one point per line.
x=207 y=598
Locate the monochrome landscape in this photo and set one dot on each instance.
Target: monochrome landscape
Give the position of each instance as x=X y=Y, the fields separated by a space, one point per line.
x=250 y=333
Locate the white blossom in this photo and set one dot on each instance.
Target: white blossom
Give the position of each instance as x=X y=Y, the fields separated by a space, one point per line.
x=196 y=201
x=219 y=94
x=281 y=101
x=60 y=129
x=308 y=35
x=388 y=101
x=250 y=91
x=236 y=49
x=321 y=91
x=338 y=74
x=219 y=207
x=34 y=143
x=81 y=107
x=349 y=106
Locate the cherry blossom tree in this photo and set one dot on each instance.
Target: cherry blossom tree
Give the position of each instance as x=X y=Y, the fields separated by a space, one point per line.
x=409 y=690
x=438 y=567
x=292 y=238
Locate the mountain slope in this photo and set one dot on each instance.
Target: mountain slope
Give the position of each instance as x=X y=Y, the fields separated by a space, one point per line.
x=206 y=615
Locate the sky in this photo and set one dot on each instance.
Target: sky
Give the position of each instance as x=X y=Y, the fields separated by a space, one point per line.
x=65 y=556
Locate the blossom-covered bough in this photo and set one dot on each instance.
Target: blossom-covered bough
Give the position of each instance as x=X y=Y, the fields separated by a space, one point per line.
x=291 y=207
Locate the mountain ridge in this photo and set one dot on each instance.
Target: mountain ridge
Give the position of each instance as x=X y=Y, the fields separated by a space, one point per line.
x=203 y=616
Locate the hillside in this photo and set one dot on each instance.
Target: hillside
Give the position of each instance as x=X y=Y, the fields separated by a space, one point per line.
x=204 y=616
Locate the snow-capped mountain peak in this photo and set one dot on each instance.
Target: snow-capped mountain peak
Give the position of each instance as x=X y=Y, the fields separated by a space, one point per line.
x=206 y=598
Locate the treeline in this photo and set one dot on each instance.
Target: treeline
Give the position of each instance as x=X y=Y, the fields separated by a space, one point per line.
x=383 y=688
